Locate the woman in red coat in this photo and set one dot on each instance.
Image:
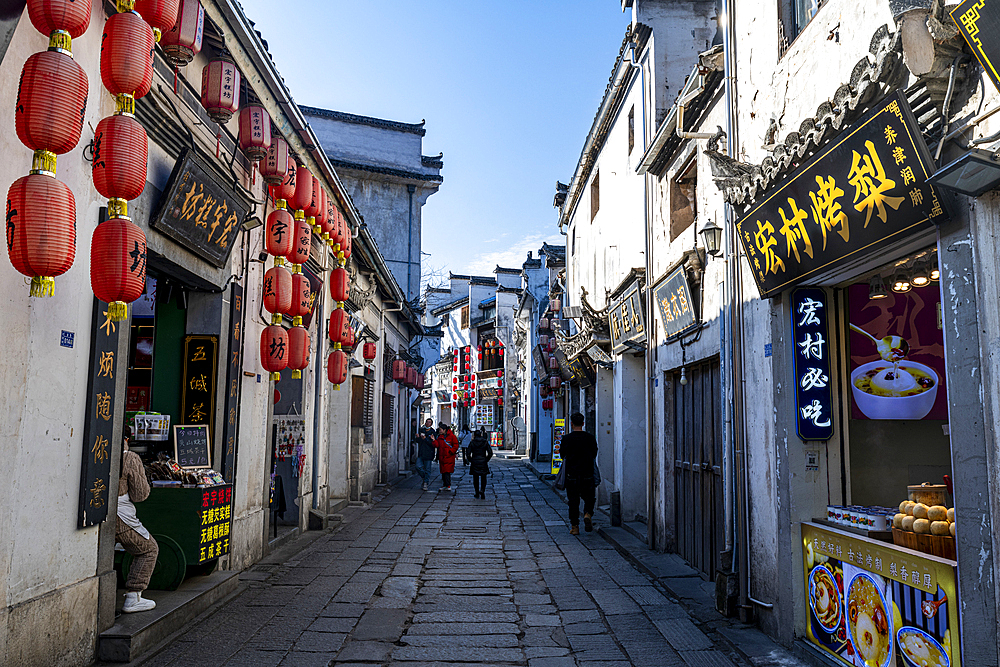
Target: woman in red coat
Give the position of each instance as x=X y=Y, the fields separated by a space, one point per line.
x=447 y=447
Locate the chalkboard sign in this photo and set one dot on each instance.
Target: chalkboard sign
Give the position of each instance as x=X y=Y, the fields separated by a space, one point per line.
x=191 y=448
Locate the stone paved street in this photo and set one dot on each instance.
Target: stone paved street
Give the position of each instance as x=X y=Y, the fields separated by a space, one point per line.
x=426 y=578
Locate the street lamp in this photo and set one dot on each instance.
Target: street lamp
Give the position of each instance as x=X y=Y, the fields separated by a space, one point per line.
x=711 y=236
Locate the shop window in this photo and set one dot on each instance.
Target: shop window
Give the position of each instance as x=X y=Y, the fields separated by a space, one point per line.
x=793 y=15
x=445 y=319
x=684 y=199
x=465 y=317
x=631 y=130
x=388 y=415
x=595 y=195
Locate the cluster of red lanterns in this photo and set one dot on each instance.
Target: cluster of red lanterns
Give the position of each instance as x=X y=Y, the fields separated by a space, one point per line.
x=547 y=403
x=407 y=374
x=51 y=99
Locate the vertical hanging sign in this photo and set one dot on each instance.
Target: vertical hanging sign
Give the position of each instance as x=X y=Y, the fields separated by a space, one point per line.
x=201 y=354
x=99 y=427
x=811 y=365
x=233 y=375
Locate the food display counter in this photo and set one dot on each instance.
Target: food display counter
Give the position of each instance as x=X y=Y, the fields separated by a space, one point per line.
x=870 y=603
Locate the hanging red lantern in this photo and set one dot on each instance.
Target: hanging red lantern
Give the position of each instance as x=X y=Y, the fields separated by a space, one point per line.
x=340 y=284
x=340 y=325
x=543 y=340
x=255 y=132
x=220 y=93
x=349 y=341
x=410 y=377
x=274 y=168
x=553 y=362
x=346 y=247
x=51 y=100
x=274 y=350
x=370 y=351
x=555 y=305
x=301 y=241
x=312 y=206
x=120 y=152
x=182 y=42
x=301 y=298
x=298 y=350
x=321 y=227
x=421 y=379
x=337 y=367
x=399 y=370
x=127 y=55
x=160 y=14
x=279 y=234
x=302 y=196
x=41 y=230
x=554 y=383
x=118 y=265
x=48 y=16
x=552 y=344
x=337 y=227
x=277 y=292
x=283 y=192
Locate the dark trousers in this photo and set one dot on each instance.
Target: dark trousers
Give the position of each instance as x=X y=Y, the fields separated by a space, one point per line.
x=465 y=456
x=575 y=490
x=479 y=481
x=445 y=479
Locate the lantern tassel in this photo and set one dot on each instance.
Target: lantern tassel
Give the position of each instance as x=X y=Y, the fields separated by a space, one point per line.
x=42 y=286
x=117 y=311
x=336 y=387
x=296 y=374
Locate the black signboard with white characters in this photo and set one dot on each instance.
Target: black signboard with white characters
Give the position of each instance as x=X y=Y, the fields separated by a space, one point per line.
x=811 y=365
x=233 y=379
x=191 y=446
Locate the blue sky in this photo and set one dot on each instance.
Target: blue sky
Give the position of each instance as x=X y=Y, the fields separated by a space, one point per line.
x=508 y=89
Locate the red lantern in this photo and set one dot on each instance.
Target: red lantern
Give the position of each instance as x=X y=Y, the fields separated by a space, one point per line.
x=279 y=234
x=553 y=362
x=345 y=248
x=399 y=370
x=51 y=100
x=312 y=206
x=555 y=305
x=274 y=350
x=340 y=284
x=255 y=132
x=41 y=230
x=220 y=92
x=543 y=340
x=350 y=340
x=554 y=382
x=322 y=223
x=552 y=344
x=301 y=298
x=118 y=265
x=337 y=227
x=50 y=15
x=182 y=43
x=410 y=377
x=302 y=196
x=284 y=191
x=127 y=55
x=340 y=325
x=420 y=381
x=301 y=242
x=298 y=351
x=278 y=292
x=120 y=151
x=370 y=351
x=161 y=14
x=274 y=168
x=337 y=367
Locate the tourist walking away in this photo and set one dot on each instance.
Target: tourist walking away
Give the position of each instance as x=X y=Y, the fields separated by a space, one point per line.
x=480 y=454
x=425 y=452
x=579 y=453
x=447 y=450
x=133 y=487
x=464 y=439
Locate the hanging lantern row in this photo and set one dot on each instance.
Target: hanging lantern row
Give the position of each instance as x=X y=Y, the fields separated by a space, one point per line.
x=48 y=119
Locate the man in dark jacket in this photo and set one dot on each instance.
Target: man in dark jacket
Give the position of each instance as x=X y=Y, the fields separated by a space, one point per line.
x=425 y=451
x=579 y=451
x=480 y=454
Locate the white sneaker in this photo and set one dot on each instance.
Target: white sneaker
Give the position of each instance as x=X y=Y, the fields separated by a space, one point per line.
x=423 y=487
x=135 y=602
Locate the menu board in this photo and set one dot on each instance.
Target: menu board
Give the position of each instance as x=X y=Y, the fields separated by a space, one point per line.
x=216 y=518
x=191 y=447
x=873 y=603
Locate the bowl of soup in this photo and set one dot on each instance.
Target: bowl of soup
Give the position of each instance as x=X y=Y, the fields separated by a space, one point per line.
x=885 y=391
x=824 y=598
x=868 y=622
x=919 y=649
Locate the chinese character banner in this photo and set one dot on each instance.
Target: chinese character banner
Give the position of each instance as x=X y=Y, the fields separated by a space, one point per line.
x=811 y=365
x=867 y=189
x=870 y=603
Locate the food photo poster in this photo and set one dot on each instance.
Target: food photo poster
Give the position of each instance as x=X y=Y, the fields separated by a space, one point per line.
x=905 y=377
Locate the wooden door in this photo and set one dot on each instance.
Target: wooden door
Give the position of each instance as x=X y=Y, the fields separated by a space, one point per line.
x=697 y=433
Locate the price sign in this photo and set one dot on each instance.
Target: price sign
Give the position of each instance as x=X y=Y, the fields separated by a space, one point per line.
x=216 y=518
x=191 y=447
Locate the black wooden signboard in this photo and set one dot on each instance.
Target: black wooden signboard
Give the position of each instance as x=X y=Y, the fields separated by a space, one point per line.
x=233 y=379
x=200 y=211
x=865 y=190
x=811 y=365
x=216 y=518
x=201 y=354
x=627 y=320
x=98 y=431
x=978 y=20
x=191 y=446
x=673 y=298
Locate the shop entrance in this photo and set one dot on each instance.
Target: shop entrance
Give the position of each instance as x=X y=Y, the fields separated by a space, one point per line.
x=694 y=414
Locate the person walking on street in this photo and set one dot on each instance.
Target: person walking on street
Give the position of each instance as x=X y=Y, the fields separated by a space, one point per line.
x=480 y=454
x=425 y=452
x=133 y=487
x=464 y=439
x=447 y=449
x=579 y=453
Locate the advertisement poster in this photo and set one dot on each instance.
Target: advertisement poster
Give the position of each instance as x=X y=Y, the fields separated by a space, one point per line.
x=915 y=318
x=870 y=603
x=557 y=434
